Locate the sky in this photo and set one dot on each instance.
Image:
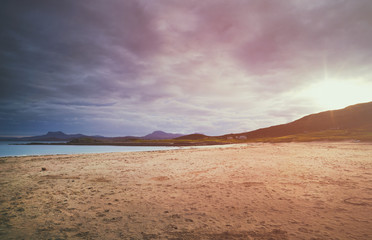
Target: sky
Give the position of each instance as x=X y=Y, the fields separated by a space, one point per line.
x=123 y=67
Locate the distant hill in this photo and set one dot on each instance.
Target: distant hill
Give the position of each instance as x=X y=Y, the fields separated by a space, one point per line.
x=60 y=136
x=195 y=136
x=8 y=138
x=353 y=122
x=355 y=117
x=158 y=135
x=53 y=136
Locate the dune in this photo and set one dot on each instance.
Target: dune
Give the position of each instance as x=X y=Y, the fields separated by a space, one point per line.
x=318 y=190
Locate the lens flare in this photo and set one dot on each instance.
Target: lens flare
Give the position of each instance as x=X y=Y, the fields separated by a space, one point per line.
x=332 y=94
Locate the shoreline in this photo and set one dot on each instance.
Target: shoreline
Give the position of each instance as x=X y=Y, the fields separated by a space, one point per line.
x=161 y=148
x=241 y=191
x=134 y=144
x=211 y=146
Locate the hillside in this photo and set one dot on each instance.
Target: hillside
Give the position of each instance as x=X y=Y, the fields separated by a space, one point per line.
x=53 y=136
x=157 y=135
x=194 y=136
x=351 y=123
x=80 y=138
x=353 y=118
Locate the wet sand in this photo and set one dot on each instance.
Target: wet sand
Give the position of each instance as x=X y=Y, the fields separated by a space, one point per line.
x=255 y=191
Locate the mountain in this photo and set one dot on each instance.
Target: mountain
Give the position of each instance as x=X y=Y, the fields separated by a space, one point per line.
x=352 y=122
x=60 y=136
x=158 y=135
x=53 y=136
x=355 y=117
x=194 y=136
x=8 y=138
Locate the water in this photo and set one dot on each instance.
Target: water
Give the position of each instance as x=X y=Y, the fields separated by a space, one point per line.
x=27 y=150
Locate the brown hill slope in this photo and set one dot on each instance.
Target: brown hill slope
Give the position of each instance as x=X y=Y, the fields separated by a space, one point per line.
x=194 y=136
x=357 y=116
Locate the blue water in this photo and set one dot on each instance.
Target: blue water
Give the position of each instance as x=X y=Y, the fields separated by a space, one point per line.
x=26 y=150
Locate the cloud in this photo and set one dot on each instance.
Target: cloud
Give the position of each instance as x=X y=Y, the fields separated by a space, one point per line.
x=129 y=67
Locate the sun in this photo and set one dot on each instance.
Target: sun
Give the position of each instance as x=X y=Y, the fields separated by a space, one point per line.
x=335 y=94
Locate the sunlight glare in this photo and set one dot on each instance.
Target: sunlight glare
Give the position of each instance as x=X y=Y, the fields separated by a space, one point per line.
x=333 y=94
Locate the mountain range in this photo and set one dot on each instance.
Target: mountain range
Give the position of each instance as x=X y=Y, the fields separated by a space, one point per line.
x=355 y=117
x=348 y=123
x=352 y=122
x=61 y=136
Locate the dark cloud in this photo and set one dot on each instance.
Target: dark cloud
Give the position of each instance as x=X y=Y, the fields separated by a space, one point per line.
x=52 y=41
x=129 y=67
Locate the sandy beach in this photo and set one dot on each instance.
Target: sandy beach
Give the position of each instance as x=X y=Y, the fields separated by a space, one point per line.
x=248 y=191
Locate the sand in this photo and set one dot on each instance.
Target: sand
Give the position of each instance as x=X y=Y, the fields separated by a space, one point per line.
x=248 y=191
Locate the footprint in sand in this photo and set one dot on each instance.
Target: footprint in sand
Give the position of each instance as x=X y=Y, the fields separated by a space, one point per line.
x=358 y=201
x=160 y=178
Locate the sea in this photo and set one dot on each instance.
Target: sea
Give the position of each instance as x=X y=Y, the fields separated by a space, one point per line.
x=10 y=148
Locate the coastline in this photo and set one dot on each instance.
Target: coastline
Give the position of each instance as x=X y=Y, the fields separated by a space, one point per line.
x=146 y=143
x=250 y=191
